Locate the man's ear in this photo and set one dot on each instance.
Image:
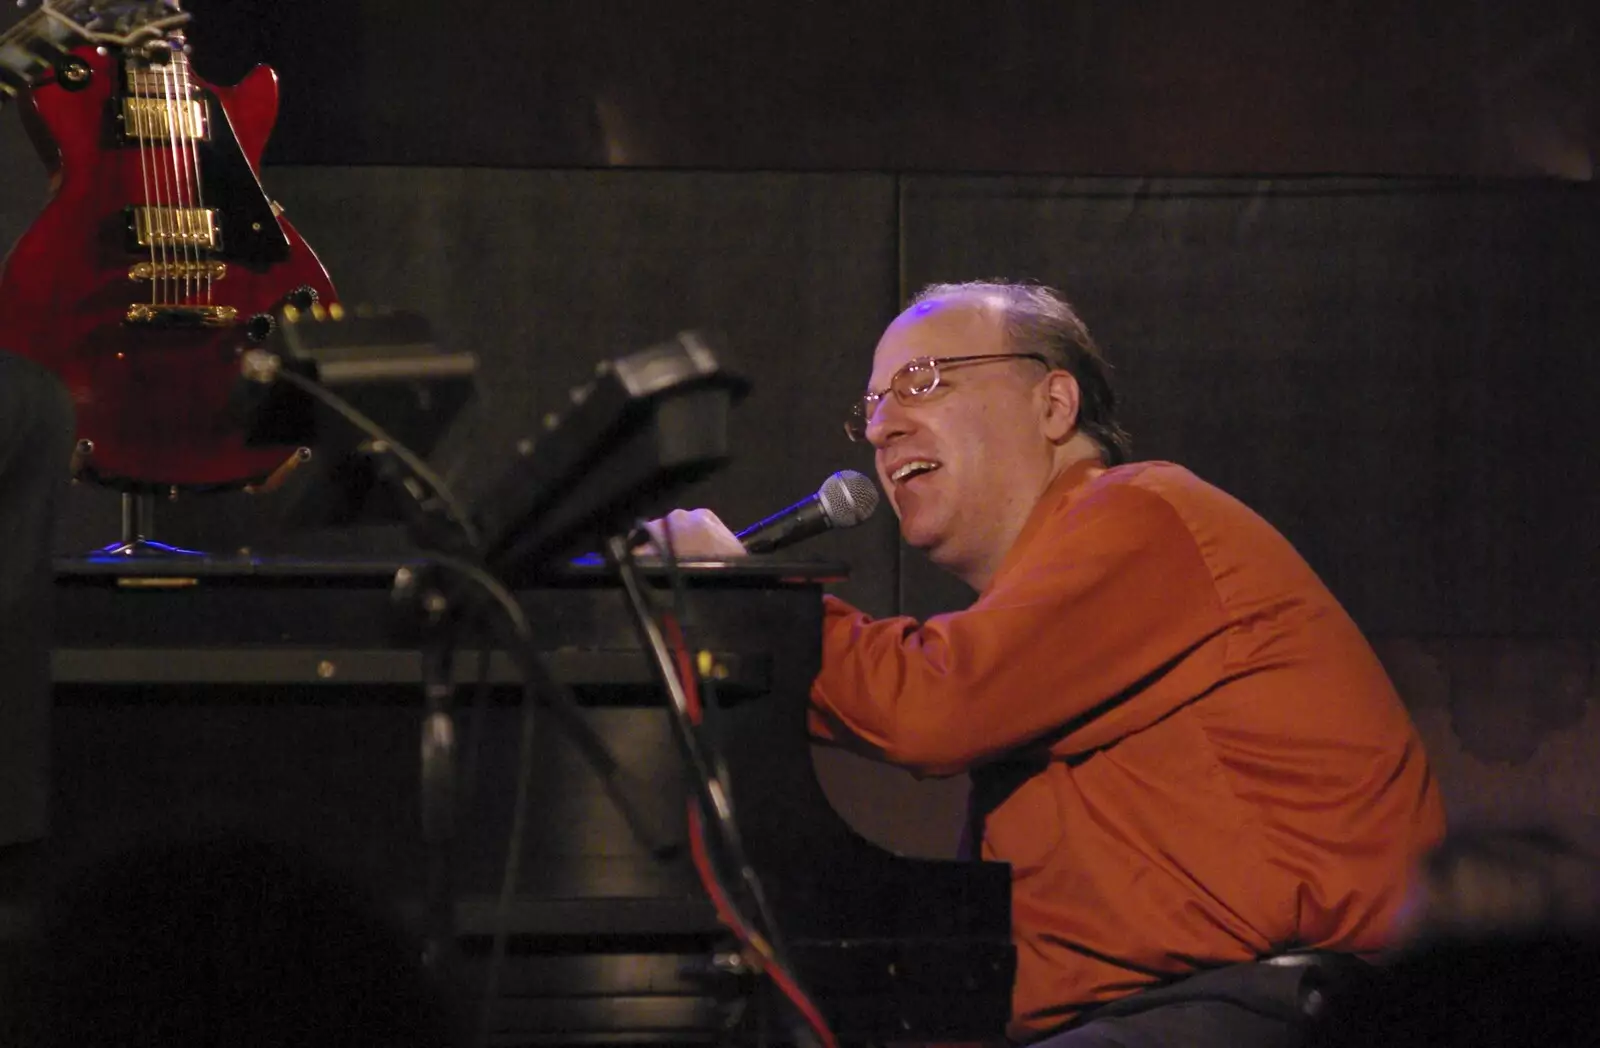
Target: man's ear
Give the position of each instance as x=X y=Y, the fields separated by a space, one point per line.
x=1062 y=397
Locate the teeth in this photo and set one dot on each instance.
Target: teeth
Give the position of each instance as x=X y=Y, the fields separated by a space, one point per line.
x=911 y=469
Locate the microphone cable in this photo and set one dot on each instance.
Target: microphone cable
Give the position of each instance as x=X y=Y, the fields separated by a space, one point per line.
x=676 y=671
x=513 y=631
x=381 y=440
x=522 y=632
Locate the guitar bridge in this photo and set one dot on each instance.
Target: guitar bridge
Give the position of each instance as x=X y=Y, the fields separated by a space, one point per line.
x=182 y=316
x=176 y=271
x=179 y=227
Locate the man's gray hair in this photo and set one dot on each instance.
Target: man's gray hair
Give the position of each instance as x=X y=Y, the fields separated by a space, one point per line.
x=1039 y=320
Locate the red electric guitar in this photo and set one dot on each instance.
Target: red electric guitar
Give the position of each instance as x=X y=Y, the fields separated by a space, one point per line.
x=159 y=259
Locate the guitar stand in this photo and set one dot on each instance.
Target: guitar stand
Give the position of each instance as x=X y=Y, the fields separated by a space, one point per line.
x=138 y=519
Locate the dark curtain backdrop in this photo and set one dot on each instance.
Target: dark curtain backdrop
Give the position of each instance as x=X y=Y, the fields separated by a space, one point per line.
x=1396 y=373
x=1436 y=87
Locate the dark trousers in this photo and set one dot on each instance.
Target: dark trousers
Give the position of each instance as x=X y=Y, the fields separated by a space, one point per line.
x=36 y=438
x=1257 y=1005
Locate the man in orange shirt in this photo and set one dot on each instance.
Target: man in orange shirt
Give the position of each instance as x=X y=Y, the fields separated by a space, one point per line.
x=1203 y=780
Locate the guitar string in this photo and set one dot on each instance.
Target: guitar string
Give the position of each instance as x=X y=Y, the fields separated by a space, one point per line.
x=180 y=178
x=173 y=218
x=194 y=122
x=193 y=279
x=141 y=89
x=162 y=218
x=164 y=164
x=146 y=162
x=179 y=126
x=181 y=220
x=159 y=219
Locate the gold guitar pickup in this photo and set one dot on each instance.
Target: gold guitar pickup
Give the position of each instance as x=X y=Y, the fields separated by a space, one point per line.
x=179 y=227
x=164 y=120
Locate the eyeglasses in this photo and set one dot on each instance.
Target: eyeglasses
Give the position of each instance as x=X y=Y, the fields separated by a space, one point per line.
x=916 y=379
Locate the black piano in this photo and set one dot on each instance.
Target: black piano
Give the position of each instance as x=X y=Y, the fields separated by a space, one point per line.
x=272 y=694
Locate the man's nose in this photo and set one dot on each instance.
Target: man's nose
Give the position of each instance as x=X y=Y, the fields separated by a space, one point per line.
x=887 y=421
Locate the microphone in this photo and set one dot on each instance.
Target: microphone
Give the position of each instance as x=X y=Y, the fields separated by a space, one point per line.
x=845 y=499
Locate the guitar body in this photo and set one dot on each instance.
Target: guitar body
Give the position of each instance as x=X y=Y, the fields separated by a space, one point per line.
x=152 y=388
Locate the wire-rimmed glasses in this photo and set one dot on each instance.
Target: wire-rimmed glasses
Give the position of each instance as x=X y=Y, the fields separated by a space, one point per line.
x=917 y=378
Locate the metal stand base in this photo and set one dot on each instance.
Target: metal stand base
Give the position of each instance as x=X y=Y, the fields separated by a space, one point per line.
x=138 y=518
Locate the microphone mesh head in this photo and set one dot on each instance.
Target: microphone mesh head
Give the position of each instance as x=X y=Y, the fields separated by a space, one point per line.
x=847 y=498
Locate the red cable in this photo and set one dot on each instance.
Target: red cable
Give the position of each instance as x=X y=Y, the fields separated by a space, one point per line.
x=727 y=913
x=768 y=964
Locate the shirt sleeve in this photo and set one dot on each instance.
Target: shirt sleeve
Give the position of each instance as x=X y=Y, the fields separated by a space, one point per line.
x=1072 y=644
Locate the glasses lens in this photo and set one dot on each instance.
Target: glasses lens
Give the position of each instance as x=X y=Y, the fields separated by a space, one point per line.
x=915 y=379
x=855 y=424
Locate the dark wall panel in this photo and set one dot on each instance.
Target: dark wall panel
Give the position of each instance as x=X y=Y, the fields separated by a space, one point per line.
x=1393 y=373
x=543 y=274
x=1043 y=86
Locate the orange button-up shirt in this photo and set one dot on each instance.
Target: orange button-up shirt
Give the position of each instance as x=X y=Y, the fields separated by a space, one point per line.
x=1222 y=768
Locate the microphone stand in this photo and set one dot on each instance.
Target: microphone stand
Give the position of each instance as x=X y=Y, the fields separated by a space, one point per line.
x=284 y=396
x=427 y=616
x=438 y=796
x=430 y=612
x=665 y=386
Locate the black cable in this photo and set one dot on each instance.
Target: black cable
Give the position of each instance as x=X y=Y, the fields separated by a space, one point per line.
x=523 y=630
x=523 y=640
x=706 y=783
x=540 y=688
x=730 y=836
x=712 y=795
x=731 y=840
x=409 y=458
x=439 y=850
x=520 y=645
x=515 y=633
x=479 y=707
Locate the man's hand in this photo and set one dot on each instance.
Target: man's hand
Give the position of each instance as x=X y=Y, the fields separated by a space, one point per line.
x=696 y=534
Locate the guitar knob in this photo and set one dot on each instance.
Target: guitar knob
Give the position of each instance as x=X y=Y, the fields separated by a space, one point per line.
x=260 y=327
x=303 y=297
